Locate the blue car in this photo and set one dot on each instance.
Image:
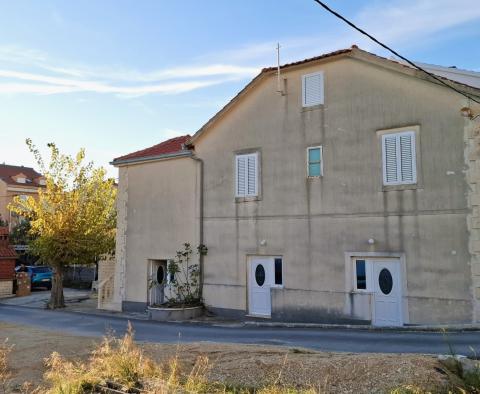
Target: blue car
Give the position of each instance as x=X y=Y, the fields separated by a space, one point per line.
x=40 y=276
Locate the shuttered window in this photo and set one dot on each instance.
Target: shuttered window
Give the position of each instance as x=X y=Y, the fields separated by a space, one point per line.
x=312 y=89
x=399 y=158
x=246 y=177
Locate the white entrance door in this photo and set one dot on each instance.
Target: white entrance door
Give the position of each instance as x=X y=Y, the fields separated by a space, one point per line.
x=260 y=280
x=387 y=293
x=158 y=276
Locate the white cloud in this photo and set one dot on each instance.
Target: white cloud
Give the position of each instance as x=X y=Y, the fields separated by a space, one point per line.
x=400 y=24
x=124 y=91
x=56 y=79
x=48 y=84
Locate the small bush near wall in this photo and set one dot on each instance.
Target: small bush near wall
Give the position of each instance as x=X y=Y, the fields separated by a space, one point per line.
x=183 y=278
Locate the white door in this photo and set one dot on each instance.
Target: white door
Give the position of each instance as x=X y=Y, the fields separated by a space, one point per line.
x=387 y=293
x=158 y=276
x=260 y=279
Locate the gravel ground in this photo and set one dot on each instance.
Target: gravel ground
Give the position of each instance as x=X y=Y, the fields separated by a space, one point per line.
x=253 y=365
x=242 y=365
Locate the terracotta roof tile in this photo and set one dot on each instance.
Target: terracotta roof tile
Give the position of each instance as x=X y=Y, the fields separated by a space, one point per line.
x=173 y=145
x=7 y=252
x=311 y=59
x=7 y=172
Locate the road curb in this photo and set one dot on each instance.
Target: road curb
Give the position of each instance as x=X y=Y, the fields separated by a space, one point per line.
x=419 y=328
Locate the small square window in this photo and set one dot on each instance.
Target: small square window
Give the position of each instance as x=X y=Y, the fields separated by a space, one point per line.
x=314 y=161
x=278 y=272
x=361 y=275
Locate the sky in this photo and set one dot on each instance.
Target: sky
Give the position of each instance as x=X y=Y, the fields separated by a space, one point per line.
x=115 y=76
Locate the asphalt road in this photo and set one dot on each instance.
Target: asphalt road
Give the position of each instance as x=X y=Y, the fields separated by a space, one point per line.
x=344 y=340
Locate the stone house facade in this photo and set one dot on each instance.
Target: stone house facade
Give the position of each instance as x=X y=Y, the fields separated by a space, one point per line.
x=345 y=189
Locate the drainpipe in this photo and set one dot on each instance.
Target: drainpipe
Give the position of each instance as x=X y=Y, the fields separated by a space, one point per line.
x=200 y=213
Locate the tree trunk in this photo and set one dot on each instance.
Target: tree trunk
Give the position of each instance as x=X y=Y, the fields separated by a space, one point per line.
x=56 y=296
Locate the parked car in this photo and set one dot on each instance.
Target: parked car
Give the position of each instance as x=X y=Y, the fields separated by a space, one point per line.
x=40 y=276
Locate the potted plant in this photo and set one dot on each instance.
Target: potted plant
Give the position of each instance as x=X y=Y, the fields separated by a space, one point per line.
x=182 y=289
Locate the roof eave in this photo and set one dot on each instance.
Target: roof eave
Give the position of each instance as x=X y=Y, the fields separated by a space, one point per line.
x=139 y=160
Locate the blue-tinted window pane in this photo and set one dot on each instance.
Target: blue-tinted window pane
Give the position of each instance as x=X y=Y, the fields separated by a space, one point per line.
x=361 y=275
x=278 y=272
x=314 y=155
x=314 y=169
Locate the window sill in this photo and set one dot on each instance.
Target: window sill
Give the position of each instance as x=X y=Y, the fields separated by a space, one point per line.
x=247 y=199
x=412 y=186
x=314 y=177
x=312 y=108
x=361 y=292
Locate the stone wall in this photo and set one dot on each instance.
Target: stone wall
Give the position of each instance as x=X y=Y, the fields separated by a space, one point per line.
x=121 y=242
x=106 y=272
x=6 y=288
x=472 y=157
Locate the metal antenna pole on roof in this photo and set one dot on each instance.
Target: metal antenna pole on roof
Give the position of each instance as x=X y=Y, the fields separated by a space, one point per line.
x=279 y=89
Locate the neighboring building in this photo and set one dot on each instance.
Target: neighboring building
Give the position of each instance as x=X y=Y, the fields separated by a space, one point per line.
x=7 y=264
x=347 y=192
x=17 y=181
x=471 y=78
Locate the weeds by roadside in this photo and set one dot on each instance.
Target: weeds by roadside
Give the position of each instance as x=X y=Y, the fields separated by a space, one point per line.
x=120 y=364
x=463 y=373
x=5 y=373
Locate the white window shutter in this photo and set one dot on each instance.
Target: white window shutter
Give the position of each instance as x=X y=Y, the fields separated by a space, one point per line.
x=407 y=151
x=399 y=158
x=390 y=160
x=313 y=90
x=246 y=176
x=241 y=175
x=252 y=175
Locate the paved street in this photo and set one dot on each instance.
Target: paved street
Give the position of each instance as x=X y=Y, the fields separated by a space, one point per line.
x=39 y=298
x=348 y=340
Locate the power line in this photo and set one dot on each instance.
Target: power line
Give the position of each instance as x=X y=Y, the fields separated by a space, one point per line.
x=393 y=51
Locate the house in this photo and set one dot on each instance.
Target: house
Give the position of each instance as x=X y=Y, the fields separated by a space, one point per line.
x=17 y=181
x=7 y=264
x=346 y=189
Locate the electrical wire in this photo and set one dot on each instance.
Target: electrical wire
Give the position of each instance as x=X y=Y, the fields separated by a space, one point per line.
x=326 y=7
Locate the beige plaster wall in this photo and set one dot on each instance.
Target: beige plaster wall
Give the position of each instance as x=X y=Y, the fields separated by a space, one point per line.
x=313 y=222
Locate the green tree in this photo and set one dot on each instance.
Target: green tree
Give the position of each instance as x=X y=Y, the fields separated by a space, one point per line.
x=20 y=234
x=73 y=219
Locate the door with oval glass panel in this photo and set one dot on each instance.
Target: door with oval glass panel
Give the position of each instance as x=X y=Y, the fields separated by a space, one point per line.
x=387 y=293
x=157 y=281
x=259 y=284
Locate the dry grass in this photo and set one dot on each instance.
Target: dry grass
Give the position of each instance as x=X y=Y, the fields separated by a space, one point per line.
x=5 y=372
x=123 y=365
x=207 y=367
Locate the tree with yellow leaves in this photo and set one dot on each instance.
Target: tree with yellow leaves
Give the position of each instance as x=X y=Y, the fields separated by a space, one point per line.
x=73 y=220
